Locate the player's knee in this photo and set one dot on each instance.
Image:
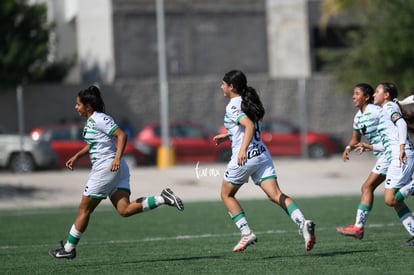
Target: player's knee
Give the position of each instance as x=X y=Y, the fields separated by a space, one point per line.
x=124 y=213
x=390 y=202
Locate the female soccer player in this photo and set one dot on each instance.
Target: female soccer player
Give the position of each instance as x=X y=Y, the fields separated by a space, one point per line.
x=398 y=150
x=365 y=124
x=250 y=158
x=109 y=176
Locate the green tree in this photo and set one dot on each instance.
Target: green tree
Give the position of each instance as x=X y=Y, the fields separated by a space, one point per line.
x=381 y=50
x=24 y=44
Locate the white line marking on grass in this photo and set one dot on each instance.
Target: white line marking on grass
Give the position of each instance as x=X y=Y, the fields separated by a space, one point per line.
x=185 y=237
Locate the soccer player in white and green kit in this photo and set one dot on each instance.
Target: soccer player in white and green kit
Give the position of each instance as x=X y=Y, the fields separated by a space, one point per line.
x=251 y=159
x=109 y=176
x=365 y=125
x=398 y=151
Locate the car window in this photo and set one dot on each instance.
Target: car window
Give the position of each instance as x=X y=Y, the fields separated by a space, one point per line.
x=61 y=134
x=79 y=134
x=157 y=131
x=182 y=131
x=190 y=132
x=275 y=126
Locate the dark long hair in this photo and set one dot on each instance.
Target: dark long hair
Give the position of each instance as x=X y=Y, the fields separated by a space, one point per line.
x=367 y=90
x=251 y=104
x=92 y=96
x=390 y=88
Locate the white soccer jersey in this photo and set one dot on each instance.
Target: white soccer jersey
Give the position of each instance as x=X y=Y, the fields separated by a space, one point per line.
x=256 y=150
x=98 y=134
x=366 y=124
x=389 y=131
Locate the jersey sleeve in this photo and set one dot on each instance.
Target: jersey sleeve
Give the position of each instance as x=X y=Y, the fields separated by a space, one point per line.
x=394 y=112
x=106 y=125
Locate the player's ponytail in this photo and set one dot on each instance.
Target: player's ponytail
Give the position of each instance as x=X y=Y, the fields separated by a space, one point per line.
x=251 y=103
x=92 y=96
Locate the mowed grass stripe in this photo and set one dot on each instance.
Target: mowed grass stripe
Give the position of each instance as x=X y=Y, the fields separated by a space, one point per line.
x=186 y=237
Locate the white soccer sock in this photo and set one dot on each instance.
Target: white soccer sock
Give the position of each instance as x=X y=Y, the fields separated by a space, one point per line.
x=73 y=239
x=295 y=214
x=152 y=202
x=362 y=214
x=408 y=222
x=241 y=222
x=405 y=191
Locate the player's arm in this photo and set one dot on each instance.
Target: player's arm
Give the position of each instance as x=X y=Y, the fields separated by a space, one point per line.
x=355 y=139
x=221 y=138
x=69 y=164
x=247 y=138
x=121 y=143
x=402 y=134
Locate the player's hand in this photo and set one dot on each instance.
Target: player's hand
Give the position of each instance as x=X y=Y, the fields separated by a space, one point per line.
x=403 y=157
x=220 y=138
x=115 y=165
x=70 y=163
x=345 y=155
x=241 y=158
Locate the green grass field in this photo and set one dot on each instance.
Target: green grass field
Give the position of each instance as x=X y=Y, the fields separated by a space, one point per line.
x=200 y=241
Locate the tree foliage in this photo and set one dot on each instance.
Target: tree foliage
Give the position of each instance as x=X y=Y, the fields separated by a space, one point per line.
x=381 y=50
x=24 y=43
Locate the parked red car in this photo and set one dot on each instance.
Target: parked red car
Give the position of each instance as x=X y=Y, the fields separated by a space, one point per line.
x=192 y=142
x=66 y=140
x=282 y=138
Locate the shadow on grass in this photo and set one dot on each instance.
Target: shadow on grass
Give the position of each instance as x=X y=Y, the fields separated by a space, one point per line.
x=8 y=191
x=159 y=260
x=326 y=254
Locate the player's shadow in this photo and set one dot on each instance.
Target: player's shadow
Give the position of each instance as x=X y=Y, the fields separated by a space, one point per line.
x=156 y=260
x=326 y=254
x=8 y=191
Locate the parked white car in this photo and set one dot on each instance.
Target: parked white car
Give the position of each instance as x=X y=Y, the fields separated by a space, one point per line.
x=35 y=154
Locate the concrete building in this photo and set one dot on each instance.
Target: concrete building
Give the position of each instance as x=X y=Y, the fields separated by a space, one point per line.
x=116 y=39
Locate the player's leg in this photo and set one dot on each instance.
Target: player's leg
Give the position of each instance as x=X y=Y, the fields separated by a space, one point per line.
x=307 y=228
x=408 y=189
x=68 y=250
x=126 y=208
x=228 y=192
x=364 y=208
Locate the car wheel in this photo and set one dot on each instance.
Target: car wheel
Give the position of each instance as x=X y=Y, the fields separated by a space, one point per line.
x=22 y=163
x=131 y=161
x=225 y=155
x=317 y=151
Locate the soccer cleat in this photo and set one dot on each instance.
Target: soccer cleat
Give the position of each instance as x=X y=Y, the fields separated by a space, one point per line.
x=410 y=242
x=352 y=231
x=307 y=229
x=172 y=199
x=244 y=242
x=61 y=253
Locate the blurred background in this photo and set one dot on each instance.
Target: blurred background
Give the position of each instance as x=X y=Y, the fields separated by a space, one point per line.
x=302 y=56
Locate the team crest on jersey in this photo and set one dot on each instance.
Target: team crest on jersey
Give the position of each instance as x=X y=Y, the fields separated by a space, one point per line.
x=363 y=129
x=395 y=117
x=235 y=110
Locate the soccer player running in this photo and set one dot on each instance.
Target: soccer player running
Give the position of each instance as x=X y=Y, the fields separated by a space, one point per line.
x=250 y=158
x=109 y=176
x=398 y=150
x=365 y=124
